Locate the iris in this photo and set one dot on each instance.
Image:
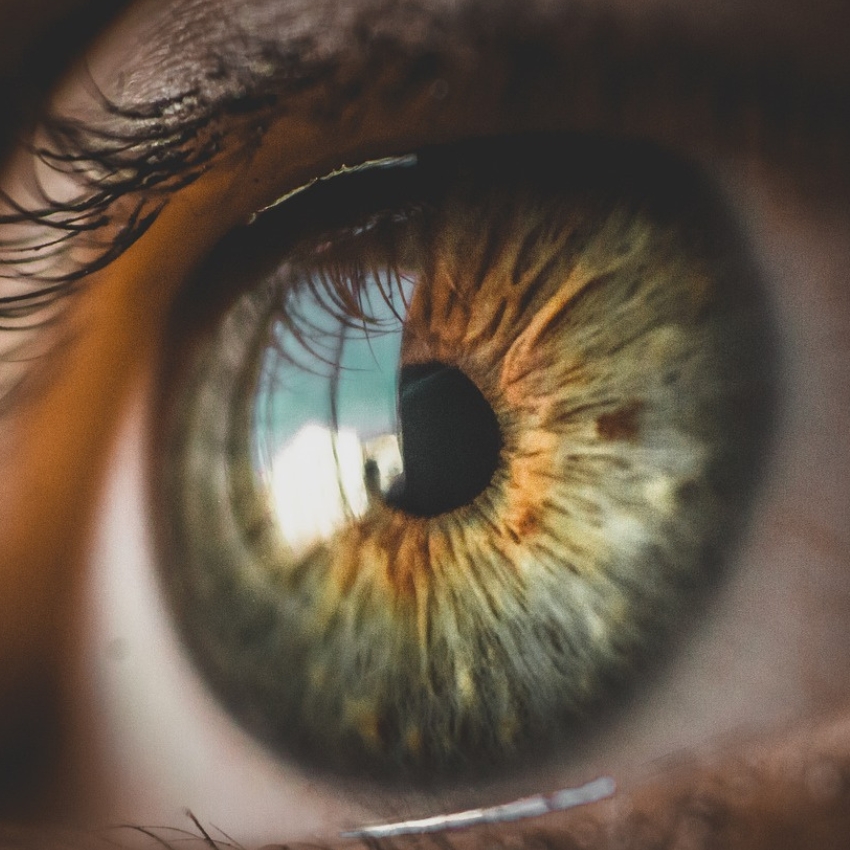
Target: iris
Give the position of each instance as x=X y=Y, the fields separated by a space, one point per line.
x=464 y=448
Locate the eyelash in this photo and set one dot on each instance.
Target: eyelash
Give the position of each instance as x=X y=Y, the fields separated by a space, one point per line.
x=149 y=155
x=155 y=149
x=142 y=154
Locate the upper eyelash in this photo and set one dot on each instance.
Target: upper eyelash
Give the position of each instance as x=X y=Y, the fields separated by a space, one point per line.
x=125 y=167
x=162 y=145
x=124 y=173
x=147 y=154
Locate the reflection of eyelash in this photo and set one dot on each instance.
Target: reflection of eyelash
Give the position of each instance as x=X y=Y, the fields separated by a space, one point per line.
x=341 y=292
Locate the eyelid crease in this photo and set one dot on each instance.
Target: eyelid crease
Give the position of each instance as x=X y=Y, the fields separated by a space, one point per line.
x=526 y=807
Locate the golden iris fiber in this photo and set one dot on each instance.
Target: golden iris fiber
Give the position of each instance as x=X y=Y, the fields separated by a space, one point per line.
x=606 y=314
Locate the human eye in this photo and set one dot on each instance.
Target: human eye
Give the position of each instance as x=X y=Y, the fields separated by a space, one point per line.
x=292 y=115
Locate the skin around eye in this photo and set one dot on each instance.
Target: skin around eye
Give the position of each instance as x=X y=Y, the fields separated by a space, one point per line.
x=605 y=318
x=796 y=555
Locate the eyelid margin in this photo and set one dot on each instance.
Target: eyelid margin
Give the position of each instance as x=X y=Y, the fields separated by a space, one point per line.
x=522 y=809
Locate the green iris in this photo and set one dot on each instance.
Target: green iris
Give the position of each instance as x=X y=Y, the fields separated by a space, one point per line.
x=458 y=461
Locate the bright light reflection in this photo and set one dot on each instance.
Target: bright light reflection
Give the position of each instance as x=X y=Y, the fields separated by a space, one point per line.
x=319 y=481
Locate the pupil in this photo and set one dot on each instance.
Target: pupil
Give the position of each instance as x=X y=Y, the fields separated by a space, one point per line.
x=450 y=440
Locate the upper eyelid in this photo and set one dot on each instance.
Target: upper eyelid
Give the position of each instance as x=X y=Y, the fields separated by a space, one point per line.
x=137 y=151
x=156 y=144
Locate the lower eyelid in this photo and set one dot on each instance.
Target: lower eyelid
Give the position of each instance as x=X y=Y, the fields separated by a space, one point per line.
x=790 y=792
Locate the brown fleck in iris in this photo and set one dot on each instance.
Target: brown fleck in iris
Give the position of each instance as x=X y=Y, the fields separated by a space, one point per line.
x=620 y=424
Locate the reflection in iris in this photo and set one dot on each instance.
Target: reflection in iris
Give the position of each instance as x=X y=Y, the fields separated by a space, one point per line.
x=325 y=432
x=601 y=332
